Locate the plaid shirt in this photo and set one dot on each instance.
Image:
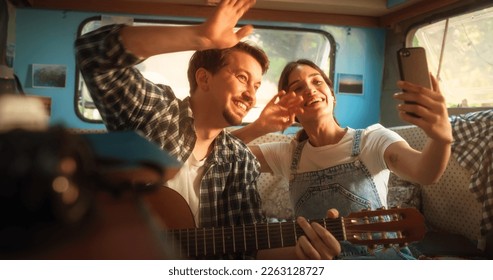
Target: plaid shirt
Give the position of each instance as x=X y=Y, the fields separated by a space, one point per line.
x=127 y=101
x=473 y=148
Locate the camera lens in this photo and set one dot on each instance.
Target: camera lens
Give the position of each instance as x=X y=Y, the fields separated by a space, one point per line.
x=405 y=53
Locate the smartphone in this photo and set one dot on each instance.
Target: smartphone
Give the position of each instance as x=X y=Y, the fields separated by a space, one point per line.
x=413 y=67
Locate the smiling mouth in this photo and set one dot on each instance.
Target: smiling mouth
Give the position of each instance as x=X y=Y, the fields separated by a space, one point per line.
x=242 y=105
x=313 y=101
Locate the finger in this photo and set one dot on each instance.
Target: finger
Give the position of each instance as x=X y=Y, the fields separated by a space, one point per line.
x=285 y=96
x=277 y=98
x=332 y=213
x=409 y=112
x=244 y=5
x=290 y=100
x=414 y=92
x=317 y=243
x=405 y=86
x=304 y=249
x=412 y=110
x=434 y=83
x=291 y=104
x=299 y=251
x=241 y=7
x=244 y=31
x=426 y=99
x=308 y=229
x=331 y=246
x=419 y=91
x=224 y=3
x=411 y=103
x=418 y=121
x=427 y=106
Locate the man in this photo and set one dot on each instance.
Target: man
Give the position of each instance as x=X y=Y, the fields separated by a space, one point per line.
x=218 y=178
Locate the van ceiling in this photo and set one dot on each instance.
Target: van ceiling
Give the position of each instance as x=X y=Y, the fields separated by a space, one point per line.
x=374 y=8
x=373 y=13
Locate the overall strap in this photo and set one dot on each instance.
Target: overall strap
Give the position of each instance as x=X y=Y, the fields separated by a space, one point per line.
x=357 y=143
x=297 y=156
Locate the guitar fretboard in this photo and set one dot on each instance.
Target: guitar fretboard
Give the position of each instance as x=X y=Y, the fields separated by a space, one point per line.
x=195 y=242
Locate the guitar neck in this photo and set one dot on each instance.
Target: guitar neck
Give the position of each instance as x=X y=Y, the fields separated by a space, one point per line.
x=195 y=242
x=367 y=227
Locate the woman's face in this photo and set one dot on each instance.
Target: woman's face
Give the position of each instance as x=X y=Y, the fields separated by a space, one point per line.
x=318 y=99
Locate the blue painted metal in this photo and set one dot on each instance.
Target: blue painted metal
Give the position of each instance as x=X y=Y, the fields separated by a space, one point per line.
x=47 y=37
x=393 y=3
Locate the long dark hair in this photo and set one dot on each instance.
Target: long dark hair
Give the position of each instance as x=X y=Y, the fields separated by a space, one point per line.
x=284 y=82
x=284 y=78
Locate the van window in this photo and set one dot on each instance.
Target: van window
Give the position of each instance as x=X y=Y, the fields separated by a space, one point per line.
x=465 y=62
x=281 y=45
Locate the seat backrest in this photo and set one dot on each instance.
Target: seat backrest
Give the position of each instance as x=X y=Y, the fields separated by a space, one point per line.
x=448 y=205
x=273 y=189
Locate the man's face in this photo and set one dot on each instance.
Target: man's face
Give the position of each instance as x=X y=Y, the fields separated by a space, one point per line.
x=235 y=85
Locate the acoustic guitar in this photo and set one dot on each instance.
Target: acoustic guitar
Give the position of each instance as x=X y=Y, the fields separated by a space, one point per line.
x=389 y=227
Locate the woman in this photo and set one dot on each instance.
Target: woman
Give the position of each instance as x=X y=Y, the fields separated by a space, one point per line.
x=330 y=166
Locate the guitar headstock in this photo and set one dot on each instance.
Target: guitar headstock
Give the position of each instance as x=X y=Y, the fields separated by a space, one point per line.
x=396 y=226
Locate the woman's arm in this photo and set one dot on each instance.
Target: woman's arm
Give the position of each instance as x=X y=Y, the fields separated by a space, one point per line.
x=428 y=165
x=264 y=166
x=423 y=167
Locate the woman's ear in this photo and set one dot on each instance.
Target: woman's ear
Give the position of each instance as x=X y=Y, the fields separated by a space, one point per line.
x=203 y=77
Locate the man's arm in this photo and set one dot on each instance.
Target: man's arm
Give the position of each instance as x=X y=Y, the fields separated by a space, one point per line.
x=216 y=32
x=106 y=58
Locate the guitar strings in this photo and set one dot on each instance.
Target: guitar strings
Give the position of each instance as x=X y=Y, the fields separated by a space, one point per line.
x=280 y=234
x=210 y=241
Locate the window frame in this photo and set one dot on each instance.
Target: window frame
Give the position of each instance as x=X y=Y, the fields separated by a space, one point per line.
x=78 y=77
x=411 y=31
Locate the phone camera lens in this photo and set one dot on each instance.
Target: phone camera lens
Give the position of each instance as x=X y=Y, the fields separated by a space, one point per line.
x=406 y=53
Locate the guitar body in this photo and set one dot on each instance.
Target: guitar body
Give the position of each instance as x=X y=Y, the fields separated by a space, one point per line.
x=171 y=208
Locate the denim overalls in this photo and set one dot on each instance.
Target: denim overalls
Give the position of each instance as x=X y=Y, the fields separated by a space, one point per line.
x=348 y=187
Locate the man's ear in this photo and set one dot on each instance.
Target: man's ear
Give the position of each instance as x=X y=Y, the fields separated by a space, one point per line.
x=202 y=76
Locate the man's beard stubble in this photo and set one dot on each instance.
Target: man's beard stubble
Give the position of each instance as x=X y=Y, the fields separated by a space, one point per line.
x=231 y=118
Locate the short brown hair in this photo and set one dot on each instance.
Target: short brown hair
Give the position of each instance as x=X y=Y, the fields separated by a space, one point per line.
x=214 y=60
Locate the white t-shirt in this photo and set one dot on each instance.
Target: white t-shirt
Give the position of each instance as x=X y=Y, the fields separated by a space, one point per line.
x=375 y=140
x=187 y=183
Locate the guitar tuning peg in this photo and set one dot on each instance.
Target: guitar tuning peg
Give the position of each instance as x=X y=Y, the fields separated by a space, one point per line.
x=381 y=208
x=396 y=207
